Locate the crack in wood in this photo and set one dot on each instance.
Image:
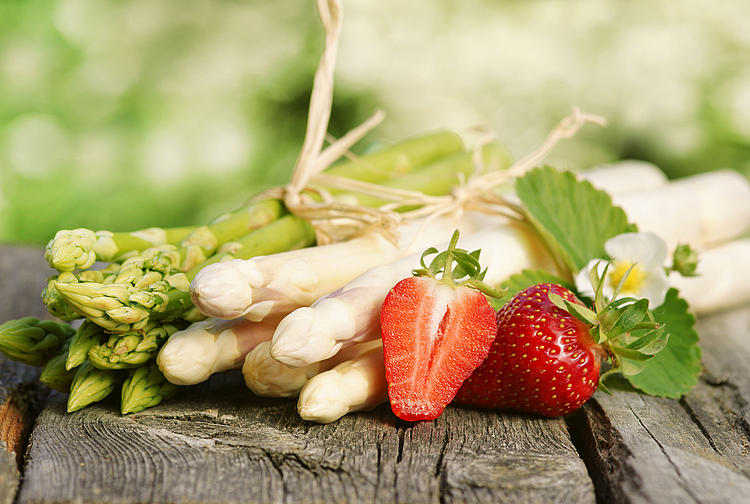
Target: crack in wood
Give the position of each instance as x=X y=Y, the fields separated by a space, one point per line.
x=603 y=451
x=680 y=477
x=696 y=419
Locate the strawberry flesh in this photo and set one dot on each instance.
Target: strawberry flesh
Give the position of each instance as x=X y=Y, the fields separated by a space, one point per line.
x=543 y=360
x=434 y=337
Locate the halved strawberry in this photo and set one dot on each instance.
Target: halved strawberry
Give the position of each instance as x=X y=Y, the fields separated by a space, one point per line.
x=435 y=333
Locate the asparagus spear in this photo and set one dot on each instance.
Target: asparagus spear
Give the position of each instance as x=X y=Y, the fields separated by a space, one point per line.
x=145 y=387
x=32 y=341
x=402 y=157
x=441 y=177
x=90 y=385
x=55 y=303
x=87 y=336
x=122 y=307
x=55 y=375
x=132 y=349
x=80 y=248
x=73 y=249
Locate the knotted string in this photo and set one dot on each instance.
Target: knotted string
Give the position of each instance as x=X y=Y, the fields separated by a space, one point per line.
x=335 y=221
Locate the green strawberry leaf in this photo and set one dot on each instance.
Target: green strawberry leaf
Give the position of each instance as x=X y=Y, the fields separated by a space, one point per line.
x=526 y=278
x=673 y=371
x=578 y=311
x=573 y=218
x=629 y=317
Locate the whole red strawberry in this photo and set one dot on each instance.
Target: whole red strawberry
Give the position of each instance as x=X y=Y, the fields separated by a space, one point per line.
x=543 y=360
x=436 y=330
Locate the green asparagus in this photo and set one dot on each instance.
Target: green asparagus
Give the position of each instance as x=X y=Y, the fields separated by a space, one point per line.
x=204 y=241
x=145 y=387
x=79 y=248
x=55 y=303
x=122 y=307
x=32 y=341
x=402 y=157
x=88 y=335
x=132 y=349
x=439 y=178
x=55 y=375
x=90 y=385
x=137 y=295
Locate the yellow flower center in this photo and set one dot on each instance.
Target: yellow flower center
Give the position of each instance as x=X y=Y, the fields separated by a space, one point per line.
x=635 y=280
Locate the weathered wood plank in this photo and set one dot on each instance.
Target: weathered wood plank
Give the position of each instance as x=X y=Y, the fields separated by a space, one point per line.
x=646 y=449
x=22 y=276
x=219 y=443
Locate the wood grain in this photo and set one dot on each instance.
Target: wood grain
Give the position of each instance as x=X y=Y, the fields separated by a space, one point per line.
x=646 y=449
x=219 y=443
x=22 y=276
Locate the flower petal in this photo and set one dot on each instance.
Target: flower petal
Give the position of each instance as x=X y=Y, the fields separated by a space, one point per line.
x=655 y=287
x=646 y=249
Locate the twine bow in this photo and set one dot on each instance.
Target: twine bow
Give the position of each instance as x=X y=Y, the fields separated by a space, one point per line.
x=335 y=221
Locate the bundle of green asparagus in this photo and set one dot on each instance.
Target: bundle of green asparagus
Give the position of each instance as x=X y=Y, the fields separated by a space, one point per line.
x=131 y=289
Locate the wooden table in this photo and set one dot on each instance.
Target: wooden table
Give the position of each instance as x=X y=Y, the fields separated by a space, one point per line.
x=218 y=443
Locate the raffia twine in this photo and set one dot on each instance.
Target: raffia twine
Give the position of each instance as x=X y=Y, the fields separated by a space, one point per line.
x=336 y=221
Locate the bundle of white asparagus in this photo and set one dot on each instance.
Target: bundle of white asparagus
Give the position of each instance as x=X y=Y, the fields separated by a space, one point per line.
x=306 y=322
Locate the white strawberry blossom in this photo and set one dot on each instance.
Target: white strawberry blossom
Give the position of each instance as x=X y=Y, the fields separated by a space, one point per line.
x=646 y=253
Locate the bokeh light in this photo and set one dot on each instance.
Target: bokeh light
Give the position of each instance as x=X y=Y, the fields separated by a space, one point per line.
x=120 y=115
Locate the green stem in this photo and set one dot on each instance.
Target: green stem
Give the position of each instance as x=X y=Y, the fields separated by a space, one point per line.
x=441 y=176
x=205 y=240
x=135 y=241
x=288 y=233
x=402 y=157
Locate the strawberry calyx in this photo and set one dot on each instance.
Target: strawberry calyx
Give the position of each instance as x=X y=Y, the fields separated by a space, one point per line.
x=624 y=330
x=466 y=272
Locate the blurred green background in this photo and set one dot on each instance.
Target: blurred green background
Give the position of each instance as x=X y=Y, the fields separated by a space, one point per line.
x=125 y=114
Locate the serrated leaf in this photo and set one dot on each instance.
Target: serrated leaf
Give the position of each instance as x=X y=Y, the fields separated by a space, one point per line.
x=572 y=217
x=526 y=278
x=673 y=371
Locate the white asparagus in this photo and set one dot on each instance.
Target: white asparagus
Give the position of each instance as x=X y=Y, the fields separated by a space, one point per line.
x=355 y=385
x=263 y=285
x=267 y=377
x=618 y=178
x=626 y=176
x=701 y=210
x=723 y=281
x=277 y=284
x=351 y=314
x=210 y=346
